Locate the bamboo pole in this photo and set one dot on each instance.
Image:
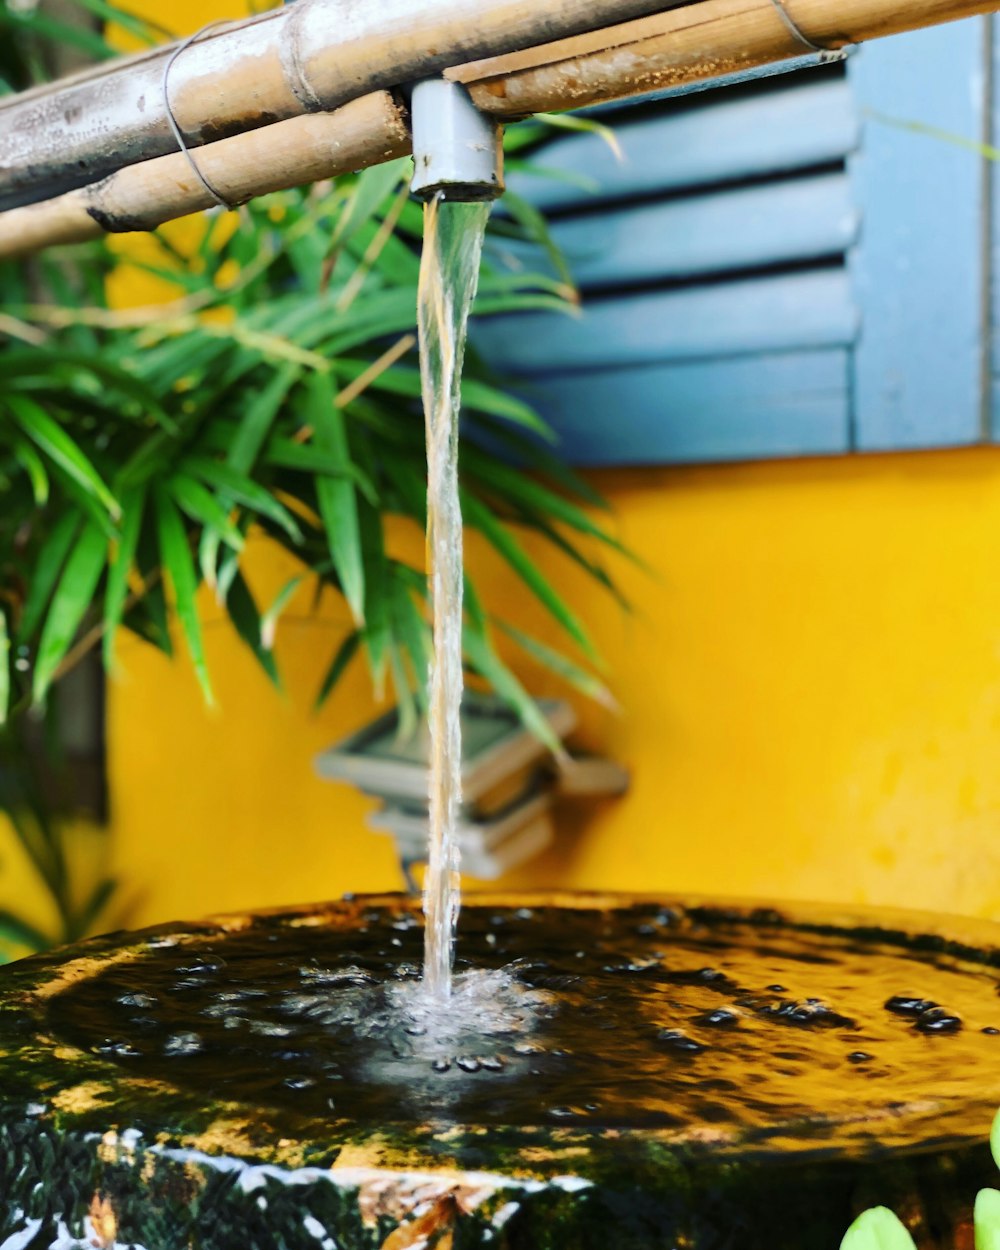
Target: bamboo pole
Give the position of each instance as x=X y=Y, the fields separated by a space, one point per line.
x=700 y=41
x=710 y=38
x=311 y=56
x=288 y=154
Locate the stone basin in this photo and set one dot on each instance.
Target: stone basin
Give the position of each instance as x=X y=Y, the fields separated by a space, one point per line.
x=649 y=1073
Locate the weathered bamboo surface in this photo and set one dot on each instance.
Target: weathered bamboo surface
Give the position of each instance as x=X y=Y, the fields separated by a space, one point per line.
x=681 y=45
x=292 y=153
x=696 y=42
x=310 y=57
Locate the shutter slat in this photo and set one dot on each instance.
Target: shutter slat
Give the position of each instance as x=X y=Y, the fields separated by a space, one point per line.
x=780 y=404
x=751 y=227
x=800 y=310
x=787 y=129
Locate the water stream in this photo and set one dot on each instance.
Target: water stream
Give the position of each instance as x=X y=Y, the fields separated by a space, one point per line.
x=449 y=273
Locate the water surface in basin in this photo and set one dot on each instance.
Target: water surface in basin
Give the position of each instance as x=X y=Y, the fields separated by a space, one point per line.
x=640 y=1017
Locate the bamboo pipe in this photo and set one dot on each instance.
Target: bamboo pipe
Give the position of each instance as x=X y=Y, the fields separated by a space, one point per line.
x=292 y=153
x=704 y=40
x=701 y=41
x=309 y=57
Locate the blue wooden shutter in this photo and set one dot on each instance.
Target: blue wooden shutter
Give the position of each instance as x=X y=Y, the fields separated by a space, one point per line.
x=774 y=269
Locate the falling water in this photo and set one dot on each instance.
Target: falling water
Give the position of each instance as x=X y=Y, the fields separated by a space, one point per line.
x=449 y=272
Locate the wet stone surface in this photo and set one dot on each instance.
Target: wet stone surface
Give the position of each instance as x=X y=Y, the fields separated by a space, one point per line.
x=642 y=1017
x=611 y=1074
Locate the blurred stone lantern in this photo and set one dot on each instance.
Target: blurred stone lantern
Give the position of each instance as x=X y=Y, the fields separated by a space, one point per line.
x=510 y=783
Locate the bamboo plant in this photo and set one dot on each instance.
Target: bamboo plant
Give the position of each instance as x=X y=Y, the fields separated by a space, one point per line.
x=277 y=391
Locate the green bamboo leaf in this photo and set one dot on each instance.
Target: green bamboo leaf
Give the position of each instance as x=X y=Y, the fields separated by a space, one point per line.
x=582 y=125
x=515 y=485
x=338 y=503
x=285 y=453
x=504 y=542
x=372 y=187
x=414 y=635
x=528 y=453
x=31 y=462
x=146 y=402
x=143 y=28
x=481 y=656
x=208 y=557
x=17 y=932
x=877 y=1229
x=342 y=657
x=579 y=678
x=62 y=32
x=481 y=397
x=260 y=415
x=72 y=598
x=202 y=506
x=88 y=914
x=226 y=480
x=473 y=607
x=537 y=229
x=53 y=440
x=269 y=621
x=178 y=566
x=5 y=682
x=48 y=565
x=407 y=718
x=83 y=502
x=245 y=616
x=228 y=568
x=987 y=1219
x=116 y=592
x=377 y=631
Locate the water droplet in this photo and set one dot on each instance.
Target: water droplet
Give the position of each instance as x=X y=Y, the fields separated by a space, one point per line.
x=990 y=1031
x=908 y=1005
x=678 y=1040
x=299 y=1082
x=441 y=1065
x=468 y=1063
x=859 y=1056
x=937 y=1020
x=721 y=1018
x=137 y=998
x=268 y=1028
x=200 y=965
x=118 y=1048
x=182 y=1044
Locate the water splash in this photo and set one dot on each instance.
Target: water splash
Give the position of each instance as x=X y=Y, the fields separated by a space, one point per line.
x=449 y=273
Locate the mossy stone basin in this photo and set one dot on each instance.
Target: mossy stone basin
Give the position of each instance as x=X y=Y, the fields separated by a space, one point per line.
x=648 y=1073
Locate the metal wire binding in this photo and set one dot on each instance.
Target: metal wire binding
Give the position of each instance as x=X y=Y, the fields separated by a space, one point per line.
x=825 y=54
x=172 y=120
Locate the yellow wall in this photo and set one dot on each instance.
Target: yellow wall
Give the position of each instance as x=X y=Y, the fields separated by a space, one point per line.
x=810 y=689
x=811 y=706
